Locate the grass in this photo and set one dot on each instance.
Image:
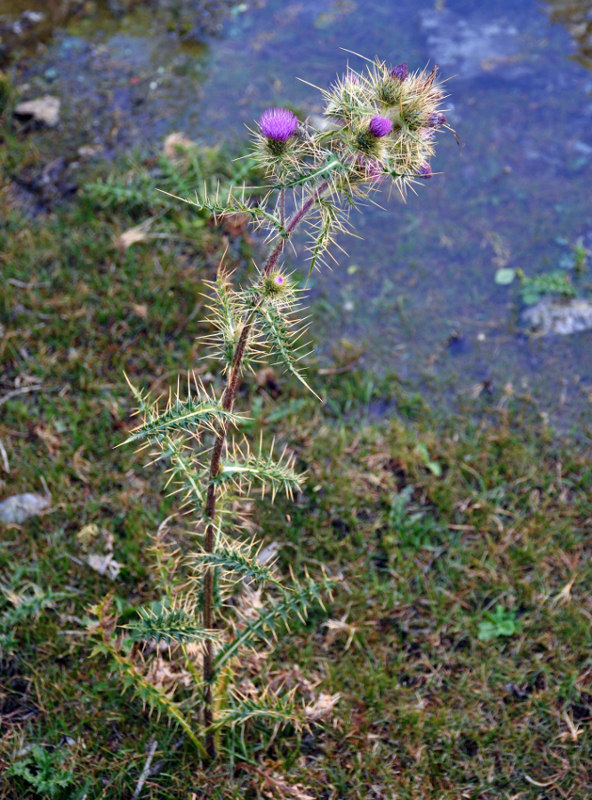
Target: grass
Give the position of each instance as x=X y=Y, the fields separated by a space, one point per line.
x=433 y=523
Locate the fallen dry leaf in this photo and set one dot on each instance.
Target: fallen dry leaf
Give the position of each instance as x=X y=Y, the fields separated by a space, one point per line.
x=89 y=150
x=248 y=689
x=254 y=660
x=140 y=309
x=109 y=540
x=88 y=534
x=3 y=452
x=296 y=791
x=166 y=675
x=277 y=788
x=336 y=627
x=292 y=677
x=175 y=144
x=104 y=565
x=268 y=554
x=564 y=596
x=131 y=236
x=80 y=465
x=322 y=707
x=51 y=440
x=249 y=604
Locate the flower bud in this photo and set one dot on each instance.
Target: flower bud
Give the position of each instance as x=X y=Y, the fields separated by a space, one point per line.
x=274 y=285
x=425 y=171
x=400 y=72
x=372 y=167
x=380 y=126
x=436 y=119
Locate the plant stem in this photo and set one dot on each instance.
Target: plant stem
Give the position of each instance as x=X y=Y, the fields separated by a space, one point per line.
x=294 y=222
x=228 y=399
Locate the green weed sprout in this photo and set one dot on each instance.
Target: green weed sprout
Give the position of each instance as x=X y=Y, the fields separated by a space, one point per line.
x=498 y=623
x=379 y=125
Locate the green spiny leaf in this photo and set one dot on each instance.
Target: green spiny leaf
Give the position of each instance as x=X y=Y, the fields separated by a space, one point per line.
x=164 y=623
x=227 y=315
x=234 y=556
x=181 y=415
x=133 y=678
x=282 y=341
x=242 y=466
x=186 y=472
x=278 y=617
x=277 y=709
x=323 y=232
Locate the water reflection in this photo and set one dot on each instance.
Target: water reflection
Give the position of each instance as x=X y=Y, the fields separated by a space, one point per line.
x=24 y=23
x=418 y=294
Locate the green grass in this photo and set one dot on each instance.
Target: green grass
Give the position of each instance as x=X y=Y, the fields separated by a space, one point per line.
x=431 y=523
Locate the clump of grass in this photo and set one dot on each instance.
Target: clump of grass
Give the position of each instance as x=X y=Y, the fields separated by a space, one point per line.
x=183 y=167
x=424 y=692
x=5 y=93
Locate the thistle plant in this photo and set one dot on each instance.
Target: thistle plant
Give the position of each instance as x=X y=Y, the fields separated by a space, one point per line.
x=380 y=125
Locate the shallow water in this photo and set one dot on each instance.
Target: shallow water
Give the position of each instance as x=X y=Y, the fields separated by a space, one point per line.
x=417 y=295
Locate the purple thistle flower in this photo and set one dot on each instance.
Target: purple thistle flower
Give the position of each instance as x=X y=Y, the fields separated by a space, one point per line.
x=400 y=72
x=425 y=171
x=436 y=119
x=352 y=77
x=278 y=280
x=380 y=126
x=278 y=124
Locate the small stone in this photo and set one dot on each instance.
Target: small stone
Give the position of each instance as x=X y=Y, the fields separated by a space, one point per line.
x=560 y=317
x=15 y=510
x=33 y=16
x=89 y=150
x=45 y=110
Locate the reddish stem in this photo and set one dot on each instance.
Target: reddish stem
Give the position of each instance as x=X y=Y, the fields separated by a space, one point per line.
x=228 y=399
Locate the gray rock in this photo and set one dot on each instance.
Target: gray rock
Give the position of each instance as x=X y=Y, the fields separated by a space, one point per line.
x=20 y=507
x=45 y=110
x=552 y=316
